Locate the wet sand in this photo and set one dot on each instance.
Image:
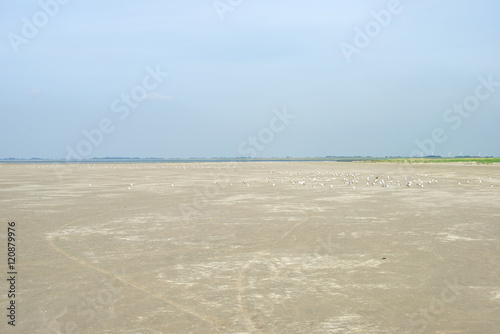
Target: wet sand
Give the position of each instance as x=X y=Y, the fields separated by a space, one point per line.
x=276 y=247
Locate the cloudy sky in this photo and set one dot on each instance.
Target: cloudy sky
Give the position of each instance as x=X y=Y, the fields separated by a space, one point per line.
x=226 y=78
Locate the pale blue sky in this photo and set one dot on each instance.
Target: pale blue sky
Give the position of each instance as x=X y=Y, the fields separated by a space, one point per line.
x=227 y=76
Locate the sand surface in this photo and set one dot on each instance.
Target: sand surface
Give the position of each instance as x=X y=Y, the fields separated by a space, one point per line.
x=253 y=248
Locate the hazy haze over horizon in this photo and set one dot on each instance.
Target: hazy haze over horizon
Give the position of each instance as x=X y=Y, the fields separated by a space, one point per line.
x=283 y=73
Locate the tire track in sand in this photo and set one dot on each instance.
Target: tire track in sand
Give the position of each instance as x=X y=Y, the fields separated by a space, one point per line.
x=244 y=309
x=50 y=239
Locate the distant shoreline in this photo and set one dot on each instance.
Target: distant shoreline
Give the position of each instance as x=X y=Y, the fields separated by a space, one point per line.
x=477 y=160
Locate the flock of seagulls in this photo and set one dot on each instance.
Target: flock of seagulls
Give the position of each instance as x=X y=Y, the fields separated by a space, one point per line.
x=320 y=179
x=332 y=180
x=354 y=180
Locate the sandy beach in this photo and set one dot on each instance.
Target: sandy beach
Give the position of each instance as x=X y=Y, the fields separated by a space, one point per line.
x=274 y=247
